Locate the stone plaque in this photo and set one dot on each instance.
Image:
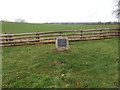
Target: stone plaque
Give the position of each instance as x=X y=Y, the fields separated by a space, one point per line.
x=62 y=43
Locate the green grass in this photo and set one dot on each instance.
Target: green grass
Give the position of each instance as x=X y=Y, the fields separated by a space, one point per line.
x=91 y=64
x=29 y=27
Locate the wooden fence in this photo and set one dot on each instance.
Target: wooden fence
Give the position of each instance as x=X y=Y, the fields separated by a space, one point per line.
x=50 y=37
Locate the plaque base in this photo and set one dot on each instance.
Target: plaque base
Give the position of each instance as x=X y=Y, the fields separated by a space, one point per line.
x=62 y=49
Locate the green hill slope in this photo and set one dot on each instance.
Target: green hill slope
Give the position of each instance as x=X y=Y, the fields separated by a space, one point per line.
x=11 y=27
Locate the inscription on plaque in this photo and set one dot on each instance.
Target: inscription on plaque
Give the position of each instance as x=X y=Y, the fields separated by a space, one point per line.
x=62 y=42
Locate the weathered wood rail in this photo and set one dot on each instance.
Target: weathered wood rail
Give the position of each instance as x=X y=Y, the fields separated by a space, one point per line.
x=50 y=37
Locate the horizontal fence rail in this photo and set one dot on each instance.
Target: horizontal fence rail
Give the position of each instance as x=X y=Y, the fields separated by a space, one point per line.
x=50 y=37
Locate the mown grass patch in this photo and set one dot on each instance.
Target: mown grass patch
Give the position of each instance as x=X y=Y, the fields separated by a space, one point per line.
x=86 y=65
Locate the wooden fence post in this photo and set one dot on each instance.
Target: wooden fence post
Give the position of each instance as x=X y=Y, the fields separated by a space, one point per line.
x=10 y=40
x=61 y=33
x=112 y=32
x=101 y=34
x=117 y=32
x=6 y=38
x=37 y=37
x=81 y=34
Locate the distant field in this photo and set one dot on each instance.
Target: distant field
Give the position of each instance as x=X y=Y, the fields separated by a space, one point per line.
x=91 y=64
x=28 y=27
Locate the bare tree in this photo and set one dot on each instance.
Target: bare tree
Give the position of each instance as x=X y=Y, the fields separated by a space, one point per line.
x=20 y=20
x=117 y=11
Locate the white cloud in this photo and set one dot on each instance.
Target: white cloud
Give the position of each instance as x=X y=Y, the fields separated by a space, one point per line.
x=57 y=10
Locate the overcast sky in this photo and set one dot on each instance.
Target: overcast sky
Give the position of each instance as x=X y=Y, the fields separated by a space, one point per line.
x=38 y=11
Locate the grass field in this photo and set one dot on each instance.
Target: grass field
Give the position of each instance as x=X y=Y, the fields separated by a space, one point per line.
x=91 y=64
x=27 y=27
